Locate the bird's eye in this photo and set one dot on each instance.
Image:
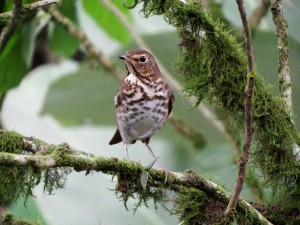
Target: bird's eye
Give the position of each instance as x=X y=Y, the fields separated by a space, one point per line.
x=143 y=58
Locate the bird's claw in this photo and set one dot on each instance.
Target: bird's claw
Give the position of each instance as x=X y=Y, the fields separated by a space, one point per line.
x=166 y=172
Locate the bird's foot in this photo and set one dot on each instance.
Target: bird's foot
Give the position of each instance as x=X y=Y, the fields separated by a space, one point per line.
x=134 y=162
x=166 y=173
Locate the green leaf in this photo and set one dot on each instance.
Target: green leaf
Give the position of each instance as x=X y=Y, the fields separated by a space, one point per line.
x=17 y=55
x=144 y=179
x=61 y=42
x=107 y=20
x=150 y=165
x=92 y=89
x=8 y=4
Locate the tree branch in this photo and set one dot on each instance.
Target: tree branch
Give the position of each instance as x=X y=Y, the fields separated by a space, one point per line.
x=258 y=14
x=46 y=156
x=280 y=23
x=29 y=8
x=248 y=111
x=8 y=31
x=285 y=85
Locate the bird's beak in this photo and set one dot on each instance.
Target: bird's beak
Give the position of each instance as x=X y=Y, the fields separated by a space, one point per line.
x=123 y=57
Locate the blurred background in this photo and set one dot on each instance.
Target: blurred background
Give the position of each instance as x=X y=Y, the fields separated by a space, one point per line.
x=67 y=96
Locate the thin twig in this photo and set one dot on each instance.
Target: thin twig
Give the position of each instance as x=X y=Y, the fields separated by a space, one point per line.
x=250 y=178
x=248 y=111
x=44 y=158
x=195 y=137
x=8 y=31
x=29 y=7
x=259 y=13
x=85 y=41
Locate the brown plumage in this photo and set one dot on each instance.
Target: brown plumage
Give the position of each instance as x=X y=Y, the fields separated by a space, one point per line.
x=143 y=102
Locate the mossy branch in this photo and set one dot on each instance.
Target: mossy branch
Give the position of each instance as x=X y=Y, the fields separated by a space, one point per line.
x=8 y=31
x=280 y=23
x=39 y=157
x=28 y=8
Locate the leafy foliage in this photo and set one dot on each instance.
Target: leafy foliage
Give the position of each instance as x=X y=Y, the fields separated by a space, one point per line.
x=107 y=20
x=61 y=42
x=16 y=57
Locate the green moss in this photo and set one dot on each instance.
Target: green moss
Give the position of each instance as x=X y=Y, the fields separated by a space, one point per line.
x=194 y=207
x=8 y=219
x=20 y=181
x=129 y=186
x=13 y=181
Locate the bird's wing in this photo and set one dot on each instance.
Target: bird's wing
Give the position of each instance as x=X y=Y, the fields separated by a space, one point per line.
x=116 y=99
x=116 y=138
x=170 y=104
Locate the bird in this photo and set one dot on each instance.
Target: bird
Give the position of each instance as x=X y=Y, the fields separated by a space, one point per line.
x=143 y=102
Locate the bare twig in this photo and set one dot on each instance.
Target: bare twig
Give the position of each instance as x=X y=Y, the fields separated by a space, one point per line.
x=44 y=157
x=40 y=4
x=29 y=7
x=251 y=179
x=248 y=111
x=88 y=45
x=195 y=137
x=8 y=31
x=124 y=20
x=259 y=13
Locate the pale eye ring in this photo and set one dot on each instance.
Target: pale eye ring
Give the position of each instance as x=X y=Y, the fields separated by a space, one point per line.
x=143 y=59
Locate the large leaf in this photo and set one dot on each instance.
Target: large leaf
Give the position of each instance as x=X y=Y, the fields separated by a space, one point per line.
x=82 y=96
x=16 y=57
x=61 y=42
x=107 y=20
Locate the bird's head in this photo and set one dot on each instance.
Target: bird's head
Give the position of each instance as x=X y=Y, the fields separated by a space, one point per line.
x=140 y=63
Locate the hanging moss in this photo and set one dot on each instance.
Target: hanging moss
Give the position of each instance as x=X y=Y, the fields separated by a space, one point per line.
x=13 y=180
x=129 y=186
x=20 y=181
x=195 y=208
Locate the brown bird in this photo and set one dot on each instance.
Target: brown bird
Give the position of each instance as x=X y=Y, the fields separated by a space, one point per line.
x=143 y=102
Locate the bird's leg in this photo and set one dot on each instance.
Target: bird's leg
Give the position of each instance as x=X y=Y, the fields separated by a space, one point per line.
x=160 y=167
x=127 y=154
x=126 y=149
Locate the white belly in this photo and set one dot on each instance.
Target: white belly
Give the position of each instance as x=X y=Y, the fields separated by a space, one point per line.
x=142 y=119
x=147 y=123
